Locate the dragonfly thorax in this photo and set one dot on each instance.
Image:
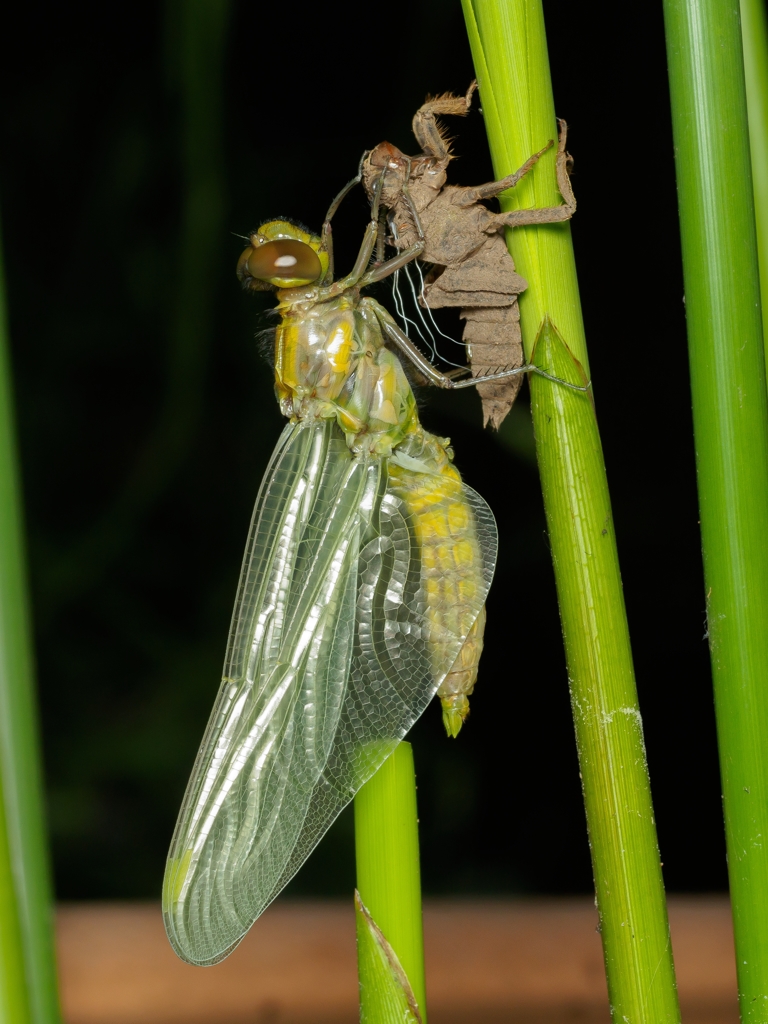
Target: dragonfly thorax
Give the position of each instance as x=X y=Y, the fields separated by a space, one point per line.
x=331 y=362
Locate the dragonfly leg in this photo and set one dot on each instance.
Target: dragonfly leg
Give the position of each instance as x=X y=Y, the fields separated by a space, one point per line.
x=345 y=191
x=525 y=368
x=327 y=233
x=390 y=266
x=358 y=276
x=547 y=214
x=425 y=125
x=380 y=238
x=469 y=196
x=353 y=278
x=382 y=270
x=446 y=380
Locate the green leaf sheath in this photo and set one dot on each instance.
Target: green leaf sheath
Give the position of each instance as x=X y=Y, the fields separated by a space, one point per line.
x=388 y=878
x=754 y=34
x=709 y=113
x=20 y=773
x=386 y=996
x=510 y=55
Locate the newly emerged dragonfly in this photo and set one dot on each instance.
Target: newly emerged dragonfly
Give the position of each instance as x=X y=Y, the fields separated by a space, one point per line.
x=361 y=595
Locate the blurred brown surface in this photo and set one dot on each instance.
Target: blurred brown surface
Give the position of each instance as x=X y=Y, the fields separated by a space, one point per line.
x=495 y=962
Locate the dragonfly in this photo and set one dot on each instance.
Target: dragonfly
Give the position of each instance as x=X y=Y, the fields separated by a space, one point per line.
x=362 y=591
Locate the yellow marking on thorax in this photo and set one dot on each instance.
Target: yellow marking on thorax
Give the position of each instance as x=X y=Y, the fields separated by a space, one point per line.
x=340 y=347
x=286 y=344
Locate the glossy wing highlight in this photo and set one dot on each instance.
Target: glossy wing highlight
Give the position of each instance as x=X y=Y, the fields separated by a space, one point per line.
x=331 y=659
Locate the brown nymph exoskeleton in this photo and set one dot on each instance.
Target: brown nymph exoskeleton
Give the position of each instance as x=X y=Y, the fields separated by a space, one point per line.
x=464 y=241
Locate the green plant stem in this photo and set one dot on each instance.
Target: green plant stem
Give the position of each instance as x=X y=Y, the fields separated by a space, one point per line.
x=14 y=1005
x=754 y=34
x=510 y=56
x=388 y=876
x=730 y=411
x=19 y=754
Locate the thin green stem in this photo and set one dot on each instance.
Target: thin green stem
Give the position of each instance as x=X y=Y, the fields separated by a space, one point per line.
x=730 y=409
x=14 y=1005
x=754 y=34
x=388 y=875
x=19 y=753
x=510 y=54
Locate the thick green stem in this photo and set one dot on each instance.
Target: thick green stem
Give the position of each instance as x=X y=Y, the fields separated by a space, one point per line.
x=510 y=55
x=388 y=875
x=754 y=34
x=19 y=754
x=730 y=407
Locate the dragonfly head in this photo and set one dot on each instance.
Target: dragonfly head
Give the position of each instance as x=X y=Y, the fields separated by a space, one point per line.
x=281 y=255
x=399 y=170
x=393 y=167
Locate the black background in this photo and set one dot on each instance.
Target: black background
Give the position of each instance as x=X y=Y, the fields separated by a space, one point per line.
x=146 y=415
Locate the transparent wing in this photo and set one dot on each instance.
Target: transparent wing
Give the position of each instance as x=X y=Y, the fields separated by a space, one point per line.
x=331 y=659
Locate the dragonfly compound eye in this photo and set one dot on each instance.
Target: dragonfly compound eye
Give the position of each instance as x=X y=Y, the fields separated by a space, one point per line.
x=283 y=262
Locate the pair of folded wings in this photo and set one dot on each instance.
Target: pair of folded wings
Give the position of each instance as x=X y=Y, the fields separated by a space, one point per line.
x=331 y=659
